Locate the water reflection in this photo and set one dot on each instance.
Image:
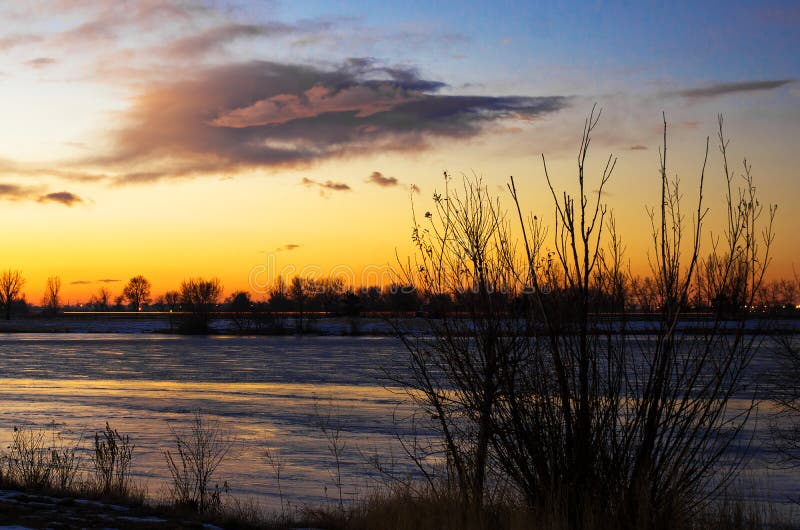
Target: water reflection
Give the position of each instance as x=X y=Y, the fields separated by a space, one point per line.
x=263 y=391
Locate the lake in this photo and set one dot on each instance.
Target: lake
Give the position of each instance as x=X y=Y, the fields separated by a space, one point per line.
x=263 y=392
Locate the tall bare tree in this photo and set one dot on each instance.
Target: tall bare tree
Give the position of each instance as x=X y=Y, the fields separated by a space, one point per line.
x=11 y=282
x=298 y=291
x=102 y=299
x=137 y=292
x=172 y=300
x=51 y=300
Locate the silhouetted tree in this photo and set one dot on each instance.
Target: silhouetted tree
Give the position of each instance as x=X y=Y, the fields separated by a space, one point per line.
x=101 y=300
x=172 y=301
x=240 y=302
x=199 y=296
x=279 y=296
x=371 y=298
x=241 y=309
x=401 y=298
x=11 y=282
x=298 y=290
x=137 y=292
x=51 y=301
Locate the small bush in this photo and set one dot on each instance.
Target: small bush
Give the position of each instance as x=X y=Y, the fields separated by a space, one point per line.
x=197 y=456
x=33 y=464
x=65 y=461
x=113 y=453
x=29 y=460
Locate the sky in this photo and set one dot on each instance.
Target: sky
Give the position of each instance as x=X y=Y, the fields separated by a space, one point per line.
x=246 y=140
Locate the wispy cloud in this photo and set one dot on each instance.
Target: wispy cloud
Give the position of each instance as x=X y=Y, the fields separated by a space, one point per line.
x=326 y=186
x=81 y=282
x=16 y=192
x=12 y=41
x=61 y=197
x=378 y=178
x=41 y=62
x=104 y=21
x=288 y=247
x=723 y=89
x=637 y=147
x=108 y=280
x=216 y=37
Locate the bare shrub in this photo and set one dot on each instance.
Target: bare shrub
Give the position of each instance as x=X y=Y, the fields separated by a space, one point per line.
x=112 y=457
x=33 y=463
x=65 y=461
x=785 y=382
x=194 y=463
x=277 y=464
x=29 y=460
x=330 y=425
x=542 y=389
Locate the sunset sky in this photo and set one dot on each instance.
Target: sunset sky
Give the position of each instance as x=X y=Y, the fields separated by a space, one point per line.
x=239 y=140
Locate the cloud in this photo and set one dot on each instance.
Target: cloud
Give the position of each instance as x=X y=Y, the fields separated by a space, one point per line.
x=363 y=101
x=62 y=197
x=12 y=41
x=15 y=192
x=377 y=178
x=270 y=115
x=81 y=282
x=328 y=185
x=213 y=38
x=287 y=247
x=723 y=89
x=637 y=147
x=41 y=62
x=102 y=22
x=108 y=280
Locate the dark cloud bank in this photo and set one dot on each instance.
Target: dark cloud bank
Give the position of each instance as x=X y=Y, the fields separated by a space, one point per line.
x=271 y=115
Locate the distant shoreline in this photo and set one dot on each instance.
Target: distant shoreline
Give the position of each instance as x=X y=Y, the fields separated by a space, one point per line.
x=333 y=325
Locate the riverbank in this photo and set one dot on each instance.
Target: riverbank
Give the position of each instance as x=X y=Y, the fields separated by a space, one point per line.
x=332 y=325
x=30 y=510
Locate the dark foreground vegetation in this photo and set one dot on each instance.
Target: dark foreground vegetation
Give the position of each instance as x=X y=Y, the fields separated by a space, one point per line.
x=543 y=403
x=49 y=482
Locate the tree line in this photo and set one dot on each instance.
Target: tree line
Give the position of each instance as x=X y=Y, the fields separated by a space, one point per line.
x=635 y=294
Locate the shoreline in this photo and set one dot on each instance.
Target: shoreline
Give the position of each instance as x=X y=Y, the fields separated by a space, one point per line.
x=361 y=326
